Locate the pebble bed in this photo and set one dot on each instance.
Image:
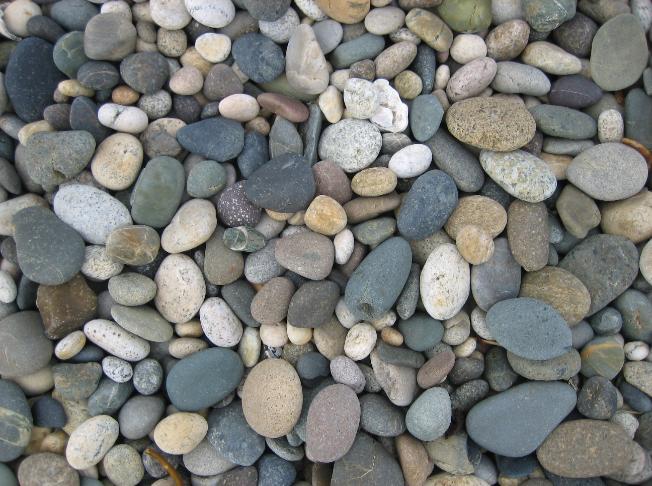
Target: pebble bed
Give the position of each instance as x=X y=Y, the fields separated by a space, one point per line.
x=325 y=242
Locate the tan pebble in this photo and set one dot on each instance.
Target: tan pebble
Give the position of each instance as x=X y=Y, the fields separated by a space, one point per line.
x=395 y=59
x=192 y=225
x=299 y=335
x=387 y=319
x=180 y=432
x=213 y=47
x=345 y=11
x=124 y=95
x=73 y=88
x=117 y=161
x=185 y=346
x=55 y=442
x=70 y=345
x=431 y=29
x=258 y=124
x=475 y=244
x=408 y=84
x=239 y=107
x=326 y=216
x=374 y=181
x=467 y=47
x=38 y=434
x=507 y=40
x=442 y=76
x=297 y=219
x=329 y=338
x=272 y=398
x=187 y=81
x=275 y=335
x=30 y=129
x=59 y=98
x=442 y=97
x=36 y=383
x=465 y=349
x=331 y=104
x=610 y=126
x=249 y=347
x=278 y=216
x=192 y=58
x=631 y=217
x=551 y=59
x=557 y=163
x=645 y=262
x=391 y=336
x=171 y=43
x=189 y=329
x=477 y=210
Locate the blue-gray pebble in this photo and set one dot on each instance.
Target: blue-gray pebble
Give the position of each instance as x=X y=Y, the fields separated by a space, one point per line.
x=421 y=332
x=230 y=434
x=15 y=421
x=562 y=122
x=426 y=114
x=258 y=57
x=454 y=159
x=217 y=138
x=254 y=154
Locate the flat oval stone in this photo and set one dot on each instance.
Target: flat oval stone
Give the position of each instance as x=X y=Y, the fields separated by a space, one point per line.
x=49 y=251
x=520 y=173
x=450 y=156
x=560 y=289
x=427 y=206
x=515 y=422
x=143 y=321
x=421 y=332
x=559 y=121
x=93 y=213
x=116 y=340
x=606 y=265
x=528 y=234
x=426 y=114
x=24 y=348
x=619 y=53
x=16 y=421
x=309 y=254
x=313 y=304
x=231 y=436
x=109 y=37
x=181 y=288
x=430 y=29
x=466 y=15
x=157 y=192
x=91 y=440
x=34 y=468
x=379 y=417
x=258 y=57
x=497 y=279
x=333 y=420
x=529 y=328
x=204 y=378
x=602 y=356
x=586 y=448
x=445 y=282
x=608 y=171
x=377 y=282
x=471 y=79
x=367 y=46
x=514 y=77
x=285 y=184
x=429 y=416
x=575 y=91
x=133 y=245
x=352 y=144
x=490 y=123
x=31 y=78
x=216 y=139
x=562 y=367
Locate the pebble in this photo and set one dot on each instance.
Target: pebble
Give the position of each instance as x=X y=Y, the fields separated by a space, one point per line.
x=352 y=144
x=597 y=399
x=122 y=118
x=122 y=465
x=528 y=234
x=468 y=16
x=181 y=288
x=507 y=40
x=451 y=157
x=133 y=245
x=425 y=117
x=16 y=421
x=117 y=161
x=384 y=20
x=344 y=370
x=395 y=59
x=109 y=37
x=498 y=124
x=91 y=440
x=312 y=305
x=471 y=79
x=117 y=369
x=516 y=422
x=213 y=47
x=46 y=464
x=516 y=78
x=430 y=29
x=445 y=282
x=369 y=455
x=180 y=432
x=258 y=57
x=577 y=439
x=618 y=53
x=216 y=139
x=467 y=47
x=429 y=416
x=562 y=367
x=551 y=59
x=121 y=342
x=232 y=438
x=192 y=225
x=603 y=356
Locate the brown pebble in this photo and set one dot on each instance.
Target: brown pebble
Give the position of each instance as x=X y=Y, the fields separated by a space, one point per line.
x=366 y=208
x=436 y=369
x=124 y=95
x=270 y=305
x=283 y=106
x=325 y=215
x=414 y=460
x=331 y=180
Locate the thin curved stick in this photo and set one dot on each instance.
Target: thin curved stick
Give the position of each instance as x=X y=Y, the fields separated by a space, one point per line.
x=169 y=468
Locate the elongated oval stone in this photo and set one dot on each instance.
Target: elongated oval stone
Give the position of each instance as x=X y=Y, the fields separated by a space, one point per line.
x=377 y=282
x=515 y=422
x=529 y=328
x=445 y=282
x=15 y=421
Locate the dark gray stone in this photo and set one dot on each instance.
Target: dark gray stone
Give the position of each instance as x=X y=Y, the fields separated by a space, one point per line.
x=15 y=423
x=274 y=471
x=425 y=65
x=313 y=304
x=454 y=159
x=239 y=295
x=312 y=367
x=254 y=153
x=48 y=412
x=45 y=28
x=268 y=10
x=638 y=117
x=76 y=381
x=68 y=53
x=230 y=434
x=235 y=209
x=421 y=332
x=83 y=116
x=367 y=46
x=498 y=371
x=575 y=35
x=109 y=397
x=636 y=310
x=145 y=72
x=399 y=356
x=216 y=139
x=380 y=417
x=407 y=302
x=466 y=369
x=598 y=398
x=284 y=138
x=98 y=75
x=575 y=91
x=559 y=121
x=258 y=57
x=426 y=114
x=468 y=394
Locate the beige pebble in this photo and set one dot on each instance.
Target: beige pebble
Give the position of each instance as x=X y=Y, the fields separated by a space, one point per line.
x=442 y=75
x=192 y=225
x=249 y=347
x=180 y=432
x=457 y=329
x=192 y=58
x=124 y=95
x=408 y=84
x=98 y=265
x=213 y=47
x=465 y=349
x=475 y=244
x=239 y=107
x=299 y=335
x=70 y=345
x=258 y=124
x=557 y=163
x=189 y=329
x=275 y=335
x=117 y=161
x=374 y=181
x=73 y=88
x=467 y=47
x=645 y=262
x=187 y=81
x=55 y=442
x=391 y=336
x=185 y=346
x=551 y=58
x=297 y=219
x=91 y=440
x=331 y=104
x=181 y=288
x=36 y=383
x=18 y=13
x=30 y=129
x=360 y=341
x=325 y=215
x=611 y=127
x=278 y=216
x=171 y=43
x=387 y=319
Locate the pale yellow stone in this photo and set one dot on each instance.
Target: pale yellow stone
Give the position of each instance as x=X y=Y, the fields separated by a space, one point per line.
x=73 y=88
x=299 y=335
x=180 y=432
x=326 y=216
x=185 y=346
x=31 y=128
x=374 y=181
x=631 y=217
x=475 y=244
x=70 y=345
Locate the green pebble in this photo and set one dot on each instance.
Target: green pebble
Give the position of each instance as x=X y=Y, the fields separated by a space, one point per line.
x=466 y=15
x=206 y=179
x=244 y=239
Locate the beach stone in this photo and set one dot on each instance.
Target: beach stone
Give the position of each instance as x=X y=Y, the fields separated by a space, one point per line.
x=429 y=28
x=221 y=81
x=636 y=373
x=562 y=367
x=191 y=226
x=109 y=37
x=206 y=179
x=471 y=79
x=91 y=440
x=603 y=356
x=578 y=212
x=638 y=105
x=16 y=421
x=219 y=323
x=434 y=190
x=234 y=209
x=205 y=460
x=122 y=118
x=384 y=20
x=516 y=78
x=435 y=370
x=421 y=332
x=76 y=381
x=65 y=155
x=254 y=154
x=215 y=15
x=636 y=310
x=48 y=413
x=551 y=59
x=305 y=65
x=559 y=121
x=120 y=342
x=360 y=98
x=425 y=117
x=231 y=436
x=544 y=16
x=515 y=422
x=367 y=46
x=611 y=127
x=133 y=245
x=520 y=173
x=451 y=157
x=181 y=288
x=222 y=265
x=410 y=161
x=145 y=72
x=333 y=419
x=597 y=399
x=123 y=465
x=286 y=107
x=266 y=11
x=445 y=282
x=586 y=448
x=576 y=35
x=68 y=53
x=272 y=398
x=618 y=53
x=429 y=416
x=497 y=124
x=49 y=251
x=216 y=139
x=98 y=75
x=309 y=254
x=142 y=321
x=507 y=40
x=528 y=234
x=31 y=77
x=529 y=328
x=560 y=289
x=328 y=33
x=313 y=304
x=284 y=139
x=281 y=29
x=395 y=59
x=592 y=261
x=270 y=305
x=629 y=217
x=180 y=432
x=195 y=382
x=93 y=213
x=369 y=455
x=377 y=282
x=374 y=181
x=345 y=11
x=162 y=176
x=379 y=417
x=34 y=468
x=117 y=161
x=466 y=15
x=398 y=382
x=351 y=144
x=258 y=57
x=467 y=47
x=574 y=91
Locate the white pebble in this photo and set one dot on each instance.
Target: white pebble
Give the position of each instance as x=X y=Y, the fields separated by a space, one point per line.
x=299 y=335
x=212 y=13
x=445 y=282
x=120 y=118
x=249 y=348
x=169 y=14
x=98 y=265
x=275 y=335
x=411 y=161
x=344 y=315
x=239 y=107
x=213 y=47
x=360 y=341
x=360 y=98
x=611 y=127
x=388 y=319
x=636 y=350
x=115 y=340
x=344 y=244
x=281 y=29
x=18 y=13
x=331 y=104
x=479 y=324
x=467 y=47
x=117 y=6
x=221 y=326
x=117 y=369
x=70 y=345
x=8 y=290
x=442 y=75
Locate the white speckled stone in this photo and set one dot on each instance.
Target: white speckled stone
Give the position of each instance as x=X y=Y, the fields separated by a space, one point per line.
x=89 y=443
x=220 y=324
x=116 y=340
x=445 y=282
x=181 y=288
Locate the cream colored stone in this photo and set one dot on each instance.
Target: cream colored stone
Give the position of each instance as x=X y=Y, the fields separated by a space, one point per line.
x=180 y=432
x=70 y=345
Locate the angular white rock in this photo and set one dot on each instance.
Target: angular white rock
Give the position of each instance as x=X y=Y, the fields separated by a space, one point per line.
x=305 y=64
x=392 y=116
x=212 y=13
x=344 y=243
